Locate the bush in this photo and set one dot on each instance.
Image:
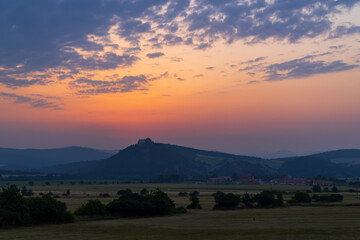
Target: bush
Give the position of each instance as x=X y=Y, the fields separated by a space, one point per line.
x=17 y=211
x=195 y=202
x=14 y=210
x=182 y=194
x=124 y=192
x=26 y=192
x=144 y=191
x=316 y=188
x=104 y=195
x=248 y=200
x=268 y=199
x=46 y=209
x=302 y=197
x=156 y=203
x=226 y=201
x=328 y=198
x=91 y=208
x=179 y=210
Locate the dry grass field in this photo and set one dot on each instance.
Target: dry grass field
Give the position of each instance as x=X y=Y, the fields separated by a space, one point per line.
x=324 y=222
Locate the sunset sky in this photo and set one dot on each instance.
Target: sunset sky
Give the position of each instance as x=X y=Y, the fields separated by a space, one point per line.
x=239 y=76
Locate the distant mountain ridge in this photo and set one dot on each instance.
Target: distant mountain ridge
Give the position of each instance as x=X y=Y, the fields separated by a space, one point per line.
x=30 y=159
x=147 y=160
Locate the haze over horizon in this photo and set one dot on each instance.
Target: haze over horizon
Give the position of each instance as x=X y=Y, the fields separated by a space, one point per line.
x=234 y=76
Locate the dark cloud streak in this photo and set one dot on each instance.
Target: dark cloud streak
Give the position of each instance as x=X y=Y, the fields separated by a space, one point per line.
x=35 y=101
x=155 y=55
x=126 y=84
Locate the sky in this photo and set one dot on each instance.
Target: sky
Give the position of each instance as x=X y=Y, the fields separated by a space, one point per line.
x=239 y=76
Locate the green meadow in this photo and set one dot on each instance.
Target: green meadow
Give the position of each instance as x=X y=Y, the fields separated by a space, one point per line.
x=339 y=221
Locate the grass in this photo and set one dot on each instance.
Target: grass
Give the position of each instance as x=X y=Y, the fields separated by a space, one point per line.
x=283 y=223
x=335 y=222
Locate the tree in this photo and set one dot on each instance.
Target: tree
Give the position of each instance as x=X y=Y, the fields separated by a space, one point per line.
x=124 y=192
x=157 y=203
x=48 y=210
x=13 y=208
x=182 y=194
x=334 y=189
x=67 y=192
x=91 y=208
x=328 y=198
x=316 y=188
x=195 y=202
x=226 y=201
x=23 y=190
x=267 y=199
x=302 y=197
x=248 y=200
x=144 y=191
x=104 y=195
x=26 y=192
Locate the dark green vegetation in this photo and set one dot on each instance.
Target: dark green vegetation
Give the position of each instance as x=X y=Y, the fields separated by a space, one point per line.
x=226 y=201
x=325 y=221
x=91 y=208
x=194 y=200
x=269 y=199
x=31 y=159
x=16 y=210
x=302 y=197
x=156 y=203
x=328 y=198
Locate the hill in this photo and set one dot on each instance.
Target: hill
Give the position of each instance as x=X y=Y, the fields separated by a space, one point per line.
x=339 y=163
x=30 y=159
x=147 y=160
x=346 y=156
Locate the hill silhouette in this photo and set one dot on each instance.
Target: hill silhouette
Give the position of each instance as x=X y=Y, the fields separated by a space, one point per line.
x=30 y=159
x=147 y=159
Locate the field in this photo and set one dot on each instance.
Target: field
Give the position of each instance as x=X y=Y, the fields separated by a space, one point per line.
x=309 y=222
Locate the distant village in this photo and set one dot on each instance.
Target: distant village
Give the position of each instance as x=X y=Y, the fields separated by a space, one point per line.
x=251 y=180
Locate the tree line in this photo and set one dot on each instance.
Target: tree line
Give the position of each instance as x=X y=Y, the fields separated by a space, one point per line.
x=18 y=210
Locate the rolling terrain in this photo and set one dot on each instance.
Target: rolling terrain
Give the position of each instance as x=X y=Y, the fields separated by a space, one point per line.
x=31 y=159
x=148 y=160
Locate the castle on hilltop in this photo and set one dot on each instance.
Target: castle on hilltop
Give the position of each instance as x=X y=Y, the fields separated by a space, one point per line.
x=144 y=141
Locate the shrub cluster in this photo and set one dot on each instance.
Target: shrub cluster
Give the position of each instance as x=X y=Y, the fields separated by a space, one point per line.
x=227 y=201
x=91 y=208
x=135 y=205
x=328 y=198
x=269 y=199
x=16 y=210
x=182 y=194
x=131 y=204
x=301 y=197
x=195 y=202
